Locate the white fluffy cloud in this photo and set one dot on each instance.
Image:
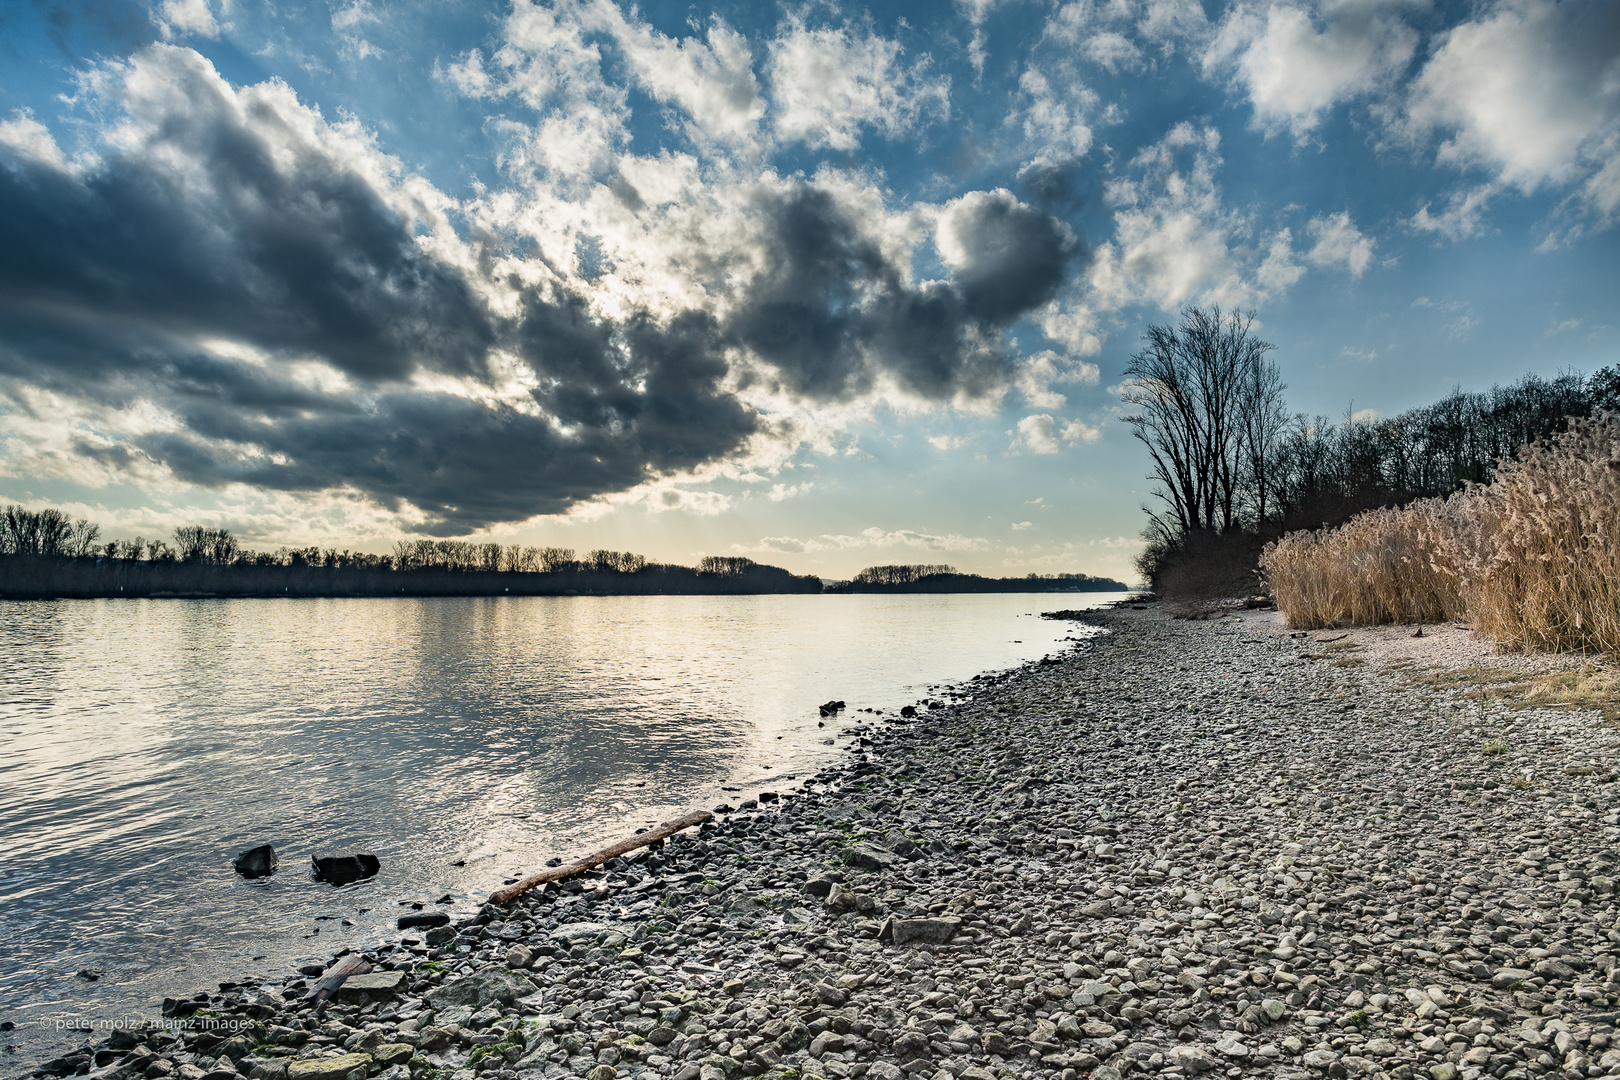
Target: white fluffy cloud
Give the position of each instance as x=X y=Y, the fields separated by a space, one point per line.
x=1295 y=62
x=1054 y=116
x=1339 y=243
x=1530 y=92
x=1043 y=434
x=1114 y=31
x=828 y=84
x=1173 y=235
x=712 y=80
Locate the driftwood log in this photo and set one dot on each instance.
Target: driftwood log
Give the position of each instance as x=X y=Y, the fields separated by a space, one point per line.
x=336 y=975
x=597 y=858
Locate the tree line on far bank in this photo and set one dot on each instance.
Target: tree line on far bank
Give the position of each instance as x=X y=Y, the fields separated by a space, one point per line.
x=45 y=553
x=935 y=578
x=1236 y=470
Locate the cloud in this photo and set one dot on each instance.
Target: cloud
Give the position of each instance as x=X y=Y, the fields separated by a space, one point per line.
x=1042 y=435
x=179 y=17
x=231 y=290
x=1339 y=243
x=1020 y=526
x=713 y=81
x=1462 y=217
x=1005 y=257
x=1038 y=374
x=1038 y=434
x=1160 y=24
x=1364 y=356
x=948 y=442
x=1054 y=118
x=1172 y=234
x=830 y=312
x=827 y=84
x=28 y=139
x=1528 y=90
x=1294 y=63
x=872 y=537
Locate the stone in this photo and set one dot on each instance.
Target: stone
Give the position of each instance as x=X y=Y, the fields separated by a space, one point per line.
x=386 y=1054
x=865 y=856
x=842 y=900
x=929 y=931
x=1321 y=1059
x=1194 y=1060
x=822 y=884
x=519 y=957
x=423 y=920
x=375 y=984
x=342 y=1067
x=433 y=1039
x=256 y=862
x=481 y=988
x=1507 y=978
x=343 y=869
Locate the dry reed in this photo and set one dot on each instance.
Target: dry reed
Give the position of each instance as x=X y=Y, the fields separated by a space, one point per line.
x=1533 y=559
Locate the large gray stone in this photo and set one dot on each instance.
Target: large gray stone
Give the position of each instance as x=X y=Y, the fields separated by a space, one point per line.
x=481 y=988
x=929 y=931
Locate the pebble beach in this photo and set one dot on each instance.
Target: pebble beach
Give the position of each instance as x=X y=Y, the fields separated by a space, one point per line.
x=1183 y=848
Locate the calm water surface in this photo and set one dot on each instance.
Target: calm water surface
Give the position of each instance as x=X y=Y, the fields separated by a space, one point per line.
x=144 y=743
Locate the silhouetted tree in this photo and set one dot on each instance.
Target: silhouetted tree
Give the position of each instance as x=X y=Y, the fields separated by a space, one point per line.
x=1202 y=389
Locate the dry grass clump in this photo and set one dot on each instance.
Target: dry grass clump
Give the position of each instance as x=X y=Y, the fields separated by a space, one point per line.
x=1382 y=566
x=1533 y=559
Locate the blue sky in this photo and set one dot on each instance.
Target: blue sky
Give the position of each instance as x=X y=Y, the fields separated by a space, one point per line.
x=824 y=284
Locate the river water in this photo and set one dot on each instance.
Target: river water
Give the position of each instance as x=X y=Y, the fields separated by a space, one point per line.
x=143 y=743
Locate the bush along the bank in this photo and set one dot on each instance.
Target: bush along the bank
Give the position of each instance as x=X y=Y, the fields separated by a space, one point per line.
x=1531 y=559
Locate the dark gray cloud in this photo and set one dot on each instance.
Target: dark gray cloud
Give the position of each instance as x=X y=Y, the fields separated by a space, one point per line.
x=831 y=312
x=220 y=216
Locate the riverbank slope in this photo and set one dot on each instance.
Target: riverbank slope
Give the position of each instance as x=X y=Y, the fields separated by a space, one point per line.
x=1187 y=848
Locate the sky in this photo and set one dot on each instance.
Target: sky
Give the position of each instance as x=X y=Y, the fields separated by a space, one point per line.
x=821 y=283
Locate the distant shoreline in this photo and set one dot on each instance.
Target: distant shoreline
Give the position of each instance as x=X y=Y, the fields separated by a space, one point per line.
x=40 y=577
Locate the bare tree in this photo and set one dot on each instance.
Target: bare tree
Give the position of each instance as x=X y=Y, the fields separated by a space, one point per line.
x=1200 y=387
x=202 y=544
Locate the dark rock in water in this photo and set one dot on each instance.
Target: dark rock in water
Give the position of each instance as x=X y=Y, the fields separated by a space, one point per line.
x=92 y=973
x=909 y=710
x=342 y=869
x=831 y=708
x=768 y=796
x=553 y=862
x=256 y=862
x=423 y=921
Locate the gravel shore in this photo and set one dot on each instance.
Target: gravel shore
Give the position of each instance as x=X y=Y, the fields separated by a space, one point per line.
x=1182 y=849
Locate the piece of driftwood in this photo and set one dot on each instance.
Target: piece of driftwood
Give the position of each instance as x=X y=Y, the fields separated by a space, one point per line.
x=328 y=984
x=596 y=858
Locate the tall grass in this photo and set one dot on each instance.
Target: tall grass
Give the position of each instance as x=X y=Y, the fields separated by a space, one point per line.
x=1533 y=559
